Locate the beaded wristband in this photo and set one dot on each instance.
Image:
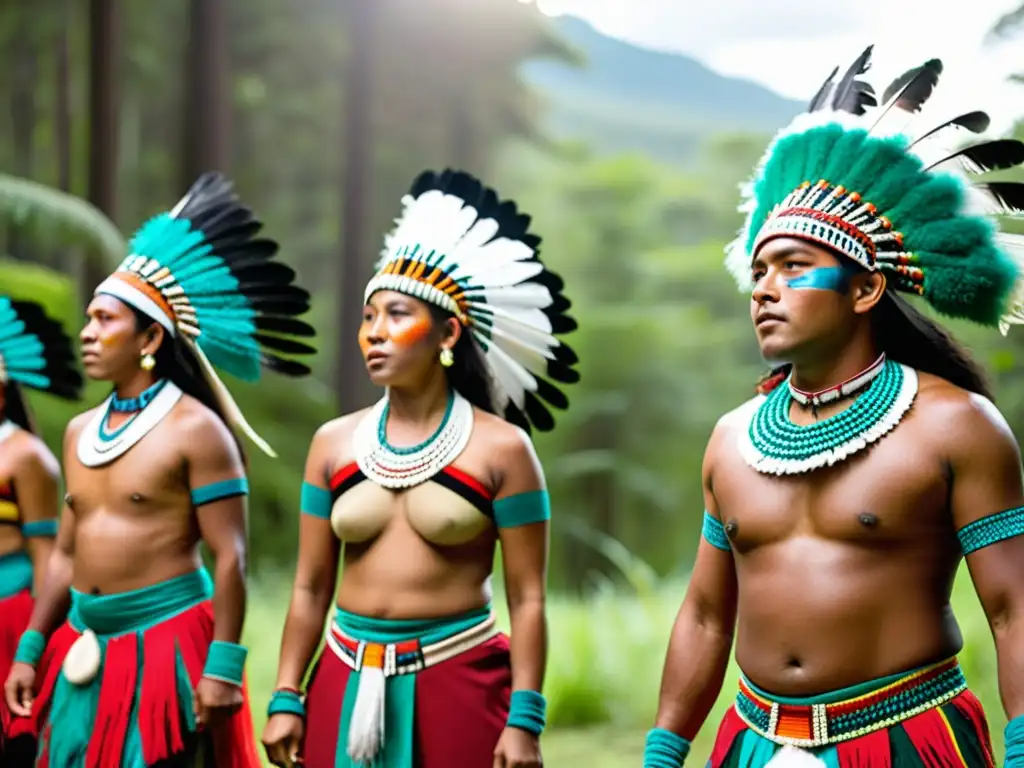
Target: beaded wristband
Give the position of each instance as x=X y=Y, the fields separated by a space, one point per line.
x=284 y=701
x=527 y=711
x=1014 y=737
x=664 y=749
x=226 y=661
x=30 y=647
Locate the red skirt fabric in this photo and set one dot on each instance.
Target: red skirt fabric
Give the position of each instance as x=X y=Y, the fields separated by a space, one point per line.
x=15 y=612
x=461 y=708
x=161 y=710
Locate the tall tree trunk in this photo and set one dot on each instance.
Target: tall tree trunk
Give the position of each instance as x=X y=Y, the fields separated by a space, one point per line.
x=207 y=92
x=104 y=96
x=62 y=108
x=356 y=265
x=23 y=114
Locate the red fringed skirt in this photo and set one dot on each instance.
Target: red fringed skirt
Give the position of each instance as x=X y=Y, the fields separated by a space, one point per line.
x=15 y=612
x=139 y=708
x=923 y=718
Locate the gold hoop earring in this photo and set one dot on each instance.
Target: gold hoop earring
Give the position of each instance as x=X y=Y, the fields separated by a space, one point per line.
x=447 y=358
x=147 y=362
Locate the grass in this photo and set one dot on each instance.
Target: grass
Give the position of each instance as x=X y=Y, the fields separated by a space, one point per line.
x=604 y=669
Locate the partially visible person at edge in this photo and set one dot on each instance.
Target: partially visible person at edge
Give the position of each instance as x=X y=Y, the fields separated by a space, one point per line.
x=36 y=353
x=152 y=472
x=840 y=501
x=460 y=328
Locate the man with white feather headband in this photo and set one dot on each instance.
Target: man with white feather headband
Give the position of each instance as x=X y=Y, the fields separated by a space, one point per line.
x=459 y=327
x=840 y=501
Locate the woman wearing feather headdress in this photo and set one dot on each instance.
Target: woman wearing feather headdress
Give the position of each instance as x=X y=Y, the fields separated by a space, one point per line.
x=36 y=353
x=460 y=327
x=840 y=501
x=151 y=473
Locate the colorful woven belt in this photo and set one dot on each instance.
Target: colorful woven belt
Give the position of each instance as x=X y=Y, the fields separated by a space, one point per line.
x=408 y=656
x=818 y=725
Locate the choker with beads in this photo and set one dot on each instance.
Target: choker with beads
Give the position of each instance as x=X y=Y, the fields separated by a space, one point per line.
x=98 y=445
x=844 y=389
x=773 y=444
x=403 y=467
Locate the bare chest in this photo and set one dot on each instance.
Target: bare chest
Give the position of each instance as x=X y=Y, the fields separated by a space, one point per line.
x=146 y=478
x=893 y=493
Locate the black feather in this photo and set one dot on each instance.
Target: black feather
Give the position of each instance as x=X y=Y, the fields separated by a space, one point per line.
x=975 y=122
x=285 y=367
x=287 y=346
x=284 y=325
x=1009 y=194
x=551 y=395
x=820 y=100
x=988 y=156
x=853 y=95
x=913 y=88
x=60 y=361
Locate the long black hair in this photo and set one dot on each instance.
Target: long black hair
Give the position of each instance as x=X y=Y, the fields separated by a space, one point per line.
x=468 y=374
x=905 y=335
x=176 y=362
x=16 y=408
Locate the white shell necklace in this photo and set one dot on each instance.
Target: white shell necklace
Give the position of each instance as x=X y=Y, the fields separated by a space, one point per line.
x=392 y=467
x=97 y=446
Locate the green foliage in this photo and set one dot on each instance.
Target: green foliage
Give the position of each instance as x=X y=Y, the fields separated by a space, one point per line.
x=55 y=219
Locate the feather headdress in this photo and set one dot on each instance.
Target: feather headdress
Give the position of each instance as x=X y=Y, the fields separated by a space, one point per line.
x=35 y=351
x=201 y=272
x=460 y=247
x=866 y=180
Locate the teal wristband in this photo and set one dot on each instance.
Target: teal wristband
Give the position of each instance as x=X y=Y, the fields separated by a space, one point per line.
x=30 y=648
x=226 y=661
x=285 y=702
x=527 y=711
x=1014 y=737
x=664 y=749
x=39 y=528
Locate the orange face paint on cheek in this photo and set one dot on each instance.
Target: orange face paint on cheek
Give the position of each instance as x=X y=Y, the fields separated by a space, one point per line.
x=412 y=333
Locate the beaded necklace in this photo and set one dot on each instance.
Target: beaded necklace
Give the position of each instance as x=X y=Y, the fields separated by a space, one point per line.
x=773 y=444
x=844 y=389
x=402 y=467
x=98 y=445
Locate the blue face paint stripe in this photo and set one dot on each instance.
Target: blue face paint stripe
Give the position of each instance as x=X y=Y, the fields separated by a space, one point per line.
x=823 y=279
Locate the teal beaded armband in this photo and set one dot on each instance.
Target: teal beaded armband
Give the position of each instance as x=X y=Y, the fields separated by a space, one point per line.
x=528 y=711
x=226 y=661
x=286 y=702
x=991 y=530
x=664 y=749
x=30 y=648
x=714 y=532
x=1014 y=741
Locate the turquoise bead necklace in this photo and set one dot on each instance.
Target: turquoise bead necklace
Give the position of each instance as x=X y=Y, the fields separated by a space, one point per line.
x=773 y=444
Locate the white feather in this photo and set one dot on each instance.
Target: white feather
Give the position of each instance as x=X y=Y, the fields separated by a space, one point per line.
x=523 y=295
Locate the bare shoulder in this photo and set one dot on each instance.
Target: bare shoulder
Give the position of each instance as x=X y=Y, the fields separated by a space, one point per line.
x=74 y=429
x=199 y=428
x=957 y=419
x=340 y=428
x=33 y=454
x=501 y=438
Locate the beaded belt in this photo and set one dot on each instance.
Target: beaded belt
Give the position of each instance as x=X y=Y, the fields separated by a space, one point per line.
x=406 y=657
x=819 y=725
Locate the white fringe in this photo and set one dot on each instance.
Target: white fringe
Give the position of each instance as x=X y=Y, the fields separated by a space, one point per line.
x=791 y=757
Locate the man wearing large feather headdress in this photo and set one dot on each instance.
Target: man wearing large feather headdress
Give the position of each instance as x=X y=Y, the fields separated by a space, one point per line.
x=840 y=501
x=460 y=327
x=152 y=472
